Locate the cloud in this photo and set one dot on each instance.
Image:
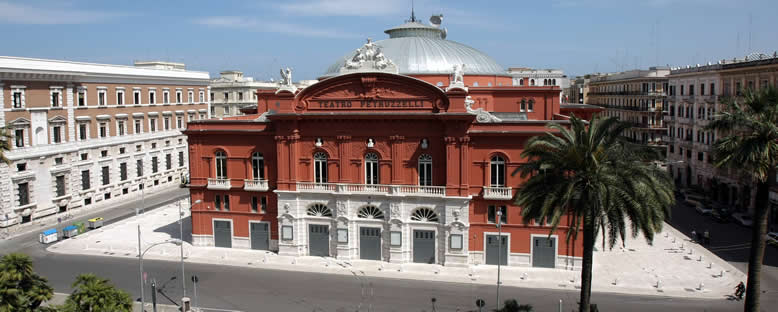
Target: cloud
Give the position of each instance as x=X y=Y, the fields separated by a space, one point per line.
x=251 y=24
x=11 y=13
x=345 y=7
x=623 y=3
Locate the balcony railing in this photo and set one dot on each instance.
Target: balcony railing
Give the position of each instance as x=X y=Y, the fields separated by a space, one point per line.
x=497 y=192
x=219 y=184
x=255 y=185
x=377 y=189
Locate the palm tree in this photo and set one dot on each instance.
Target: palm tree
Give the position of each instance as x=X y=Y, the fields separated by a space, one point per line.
x=751 y=145
x=5 y=144
x=21 y=289
x=592 y=175
x=95 y=294
x=511 y=305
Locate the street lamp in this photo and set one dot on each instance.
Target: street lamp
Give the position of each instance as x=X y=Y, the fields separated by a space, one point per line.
x=173 y=241
x=499 y=253
x=181 y=236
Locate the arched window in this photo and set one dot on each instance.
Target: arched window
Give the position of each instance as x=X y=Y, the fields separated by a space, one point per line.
x=523 y=105
x=258 y=166
x=553 y=82
x=371 y=168
x=531 y=105
x=532 y=82
x=521 y=82
x=319 y=210
x=497 y=171
x=424 y=215
x=220 y=162
x=320 y=167
x=370 y=212
x=425 y=170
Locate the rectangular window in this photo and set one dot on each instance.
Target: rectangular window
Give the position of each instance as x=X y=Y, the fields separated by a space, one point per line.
x=226 y=110
x=263 y=204
x=180 y=159
x=226 y=202
x=120 y=126
x=166 y=97
x=154 y=164
x=21 y=167
x=153 y=124
x=702 y=89
x=19 y=137
x=139 y=167
x=103 y=130
x=167 y=123
x=123 y=171
x=136 y=97
x=202 y=97
x=681 y=90
x=60 y=185
x=492 y=214
x=81 y=97
x=190 y=97
x=106 y=175
x=57 y=134
x=254 y=204
x=86 y=182
x=211 y=96
x=84 y=156
x=168 y=162
x=58 y=160
x=138 y=126
x=152 y=97
x=101 y=97
x=217 y=202
x=226 y=96
x=17 y=99
x=122 y=150
x=178 y=97
x=712 y=89
x=104 y=153
x=55 y=99
x=24 y=194
x=179 y=122
x=240 y=96
x=119 y=97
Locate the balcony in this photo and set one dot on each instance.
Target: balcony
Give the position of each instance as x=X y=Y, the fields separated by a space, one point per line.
x=372 y=189
x=254 y=185
x=497 y=192
x=219 y=184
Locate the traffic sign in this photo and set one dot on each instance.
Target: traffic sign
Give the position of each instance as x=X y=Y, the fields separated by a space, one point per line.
x=480 y=303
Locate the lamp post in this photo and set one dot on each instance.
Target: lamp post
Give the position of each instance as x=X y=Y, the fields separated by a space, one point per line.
x=499 y=253
x=181 y=236
x=173 y=241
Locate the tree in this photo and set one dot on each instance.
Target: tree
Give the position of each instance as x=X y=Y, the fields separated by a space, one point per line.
x=751 y=145
x=5 y=144
x=598 y=180
x=95 y=294
x=20 y=288
x=511 y=305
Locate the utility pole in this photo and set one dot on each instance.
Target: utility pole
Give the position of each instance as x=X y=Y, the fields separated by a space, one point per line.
x=140 y=258
x=499 y=253
x=181 y=233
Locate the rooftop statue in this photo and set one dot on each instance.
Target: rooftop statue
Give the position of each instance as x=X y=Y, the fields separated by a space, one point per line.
x=285 y=84
x=369 y=57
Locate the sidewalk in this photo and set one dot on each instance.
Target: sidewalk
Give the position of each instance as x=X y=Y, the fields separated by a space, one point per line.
x=673 y=261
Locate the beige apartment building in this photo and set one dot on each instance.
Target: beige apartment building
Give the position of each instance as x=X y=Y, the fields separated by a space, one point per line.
x=86 y=135
x=697 y=94
x=578 y=91
x=636 y=96
x=232 y=91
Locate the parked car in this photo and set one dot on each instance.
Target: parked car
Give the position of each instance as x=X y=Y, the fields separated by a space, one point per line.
x=772 y=238
x=721 y=215
x=704 y=209
x=743 y=219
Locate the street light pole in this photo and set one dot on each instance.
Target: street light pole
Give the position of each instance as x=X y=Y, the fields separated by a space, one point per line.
x=181 y=236
x=140 y=260
x=499 y=253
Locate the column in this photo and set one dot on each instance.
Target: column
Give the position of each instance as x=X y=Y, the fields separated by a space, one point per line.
x=292 y=141
x=452 y=166
x=464 y=169
x=282 y=173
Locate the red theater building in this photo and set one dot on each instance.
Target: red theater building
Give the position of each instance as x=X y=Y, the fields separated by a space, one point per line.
x=399 y=154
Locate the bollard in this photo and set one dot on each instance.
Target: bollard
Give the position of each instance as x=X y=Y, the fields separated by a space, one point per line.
x=658 y=284
x=616 y=281
x=722 y=273
x=674 y=241
x=710 y=265
x=560 y=305
x=691 y=251
x=524 y=276
x=699 y=259
x=701 y=285
x=186 y=304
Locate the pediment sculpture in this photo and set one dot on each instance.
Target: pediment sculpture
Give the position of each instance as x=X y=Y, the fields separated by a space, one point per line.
x=457 y=78
x=481 y=116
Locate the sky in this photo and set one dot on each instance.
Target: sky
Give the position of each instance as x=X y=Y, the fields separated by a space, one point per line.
x=259 y=37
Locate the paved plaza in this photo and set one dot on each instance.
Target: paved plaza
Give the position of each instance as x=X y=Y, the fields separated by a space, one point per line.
x=673 y=266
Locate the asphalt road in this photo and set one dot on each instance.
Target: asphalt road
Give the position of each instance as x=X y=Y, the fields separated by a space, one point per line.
x=238 y=288
x=731 y=242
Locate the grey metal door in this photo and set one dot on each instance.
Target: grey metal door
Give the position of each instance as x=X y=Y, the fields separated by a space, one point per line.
x=222 y=234
x=319 y=240
x=260 y=236
x=423 y=246
x=370 y=243
x=543 y=252
x=494 y=250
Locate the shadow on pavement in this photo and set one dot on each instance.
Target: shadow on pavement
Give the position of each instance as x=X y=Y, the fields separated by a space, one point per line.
x=173 y=230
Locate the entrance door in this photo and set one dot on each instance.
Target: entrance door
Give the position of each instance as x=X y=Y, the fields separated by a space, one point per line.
x=260 y=236
x=495 y=250
x=319 y=240
x=370 y=243
x=543 y=252
x=423 y=246
x=222 y=234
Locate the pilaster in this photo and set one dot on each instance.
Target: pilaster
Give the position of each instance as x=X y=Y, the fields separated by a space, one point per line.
x=292 y=141
x=2 y=105
x=344 y=149
x=283 y=174
x=396 y=142
x=452 y=166
x=464 y=171
x=70 y=106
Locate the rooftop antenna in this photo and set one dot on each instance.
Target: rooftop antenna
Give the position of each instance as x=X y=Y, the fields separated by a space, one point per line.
x=413 y=14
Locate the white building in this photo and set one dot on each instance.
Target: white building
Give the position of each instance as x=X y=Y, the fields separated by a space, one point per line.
x=88 y=134
x=523 y=76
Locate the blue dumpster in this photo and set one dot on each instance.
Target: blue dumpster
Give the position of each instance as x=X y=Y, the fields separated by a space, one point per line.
x=69 y=231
